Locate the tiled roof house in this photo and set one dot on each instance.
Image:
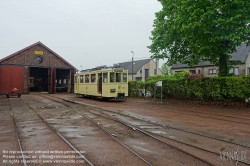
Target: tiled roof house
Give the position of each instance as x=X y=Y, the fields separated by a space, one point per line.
x=208 y=69
x=141 y=69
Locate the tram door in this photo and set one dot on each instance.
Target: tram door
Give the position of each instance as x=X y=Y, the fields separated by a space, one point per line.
x=99 y=83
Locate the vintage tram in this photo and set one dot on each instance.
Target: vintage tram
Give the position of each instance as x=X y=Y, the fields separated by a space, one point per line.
x=104 y=83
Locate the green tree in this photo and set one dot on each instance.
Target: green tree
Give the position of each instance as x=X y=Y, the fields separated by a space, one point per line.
x=166 y=70
x=189 y=31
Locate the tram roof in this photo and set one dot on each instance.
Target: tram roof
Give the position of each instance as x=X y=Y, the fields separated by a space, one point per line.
x=104 y=69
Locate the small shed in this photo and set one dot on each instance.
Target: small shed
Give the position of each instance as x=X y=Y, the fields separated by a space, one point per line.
x=36 y=68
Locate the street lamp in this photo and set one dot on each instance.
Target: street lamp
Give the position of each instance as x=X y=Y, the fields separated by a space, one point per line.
x=132 y=66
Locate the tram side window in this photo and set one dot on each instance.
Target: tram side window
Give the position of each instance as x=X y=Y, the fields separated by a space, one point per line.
x=124 y=77
x=118 y=77
x=93 y=77
x=87 y=78
x=112 y=77
x=105 y=78
x=81 y=78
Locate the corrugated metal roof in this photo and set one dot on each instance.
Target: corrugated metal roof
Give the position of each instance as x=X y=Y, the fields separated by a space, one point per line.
x=136 y=67
x=241 y=54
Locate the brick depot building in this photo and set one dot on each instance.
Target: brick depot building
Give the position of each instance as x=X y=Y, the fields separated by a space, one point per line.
x=36 y=68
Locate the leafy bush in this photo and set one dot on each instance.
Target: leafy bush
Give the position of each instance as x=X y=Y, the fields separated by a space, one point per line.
x=193 y=76
x=182 y=86
x=178 y=75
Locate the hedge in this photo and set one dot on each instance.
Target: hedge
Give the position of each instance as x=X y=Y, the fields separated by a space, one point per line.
x=214 y=88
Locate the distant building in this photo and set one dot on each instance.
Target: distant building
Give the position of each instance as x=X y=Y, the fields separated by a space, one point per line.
x=142 y=69
x=207 y=69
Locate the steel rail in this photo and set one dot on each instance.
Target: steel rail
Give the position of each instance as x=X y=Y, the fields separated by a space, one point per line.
x=150 y=134
x=64 y=139
x=161 y=124
x=135 y=128
x=109 y=133
x=168 y=126
x=135 y=103
x=17 y=134
x=153 y=123
x=113 y=136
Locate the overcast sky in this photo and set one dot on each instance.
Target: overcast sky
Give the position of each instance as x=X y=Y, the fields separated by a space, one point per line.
x=86 y=33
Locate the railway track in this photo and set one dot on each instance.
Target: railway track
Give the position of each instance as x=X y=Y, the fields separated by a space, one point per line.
x=166 y=125
x=234 y=119
x=56 y=132
x=218 y=154
x=17 y=134
x=134 y=128
x=63 y=138
x=152 y=136
x=114 y=137
x=99 y=126
x=180 y=129
x=144 y=132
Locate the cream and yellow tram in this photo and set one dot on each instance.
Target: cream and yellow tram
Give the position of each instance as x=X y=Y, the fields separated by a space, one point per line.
x=106 y=83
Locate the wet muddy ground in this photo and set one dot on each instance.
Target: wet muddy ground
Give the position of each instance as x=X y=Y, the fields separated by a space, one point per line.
x=138 y=131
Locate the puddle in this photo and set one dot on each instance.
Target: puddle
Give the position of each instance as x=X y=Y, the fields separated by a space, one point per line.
x=159 y=132
x=74 y=135
x=143 y=149
x=49 y=107
x=149 y=127
x=172 y=137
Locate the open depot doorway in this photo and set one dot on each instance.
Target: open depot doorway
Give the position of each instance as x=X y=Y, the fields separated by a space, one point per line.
x=38 y=79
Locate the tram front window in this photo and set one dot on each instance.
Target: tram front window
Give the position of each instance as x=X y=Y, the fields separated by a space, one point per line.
x=118 y=77
x=112 y=77
x=124 y=79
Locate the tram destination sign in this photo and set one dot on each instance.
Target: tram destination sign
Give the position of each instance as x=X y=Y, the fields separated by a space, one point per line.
x=118 y=70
